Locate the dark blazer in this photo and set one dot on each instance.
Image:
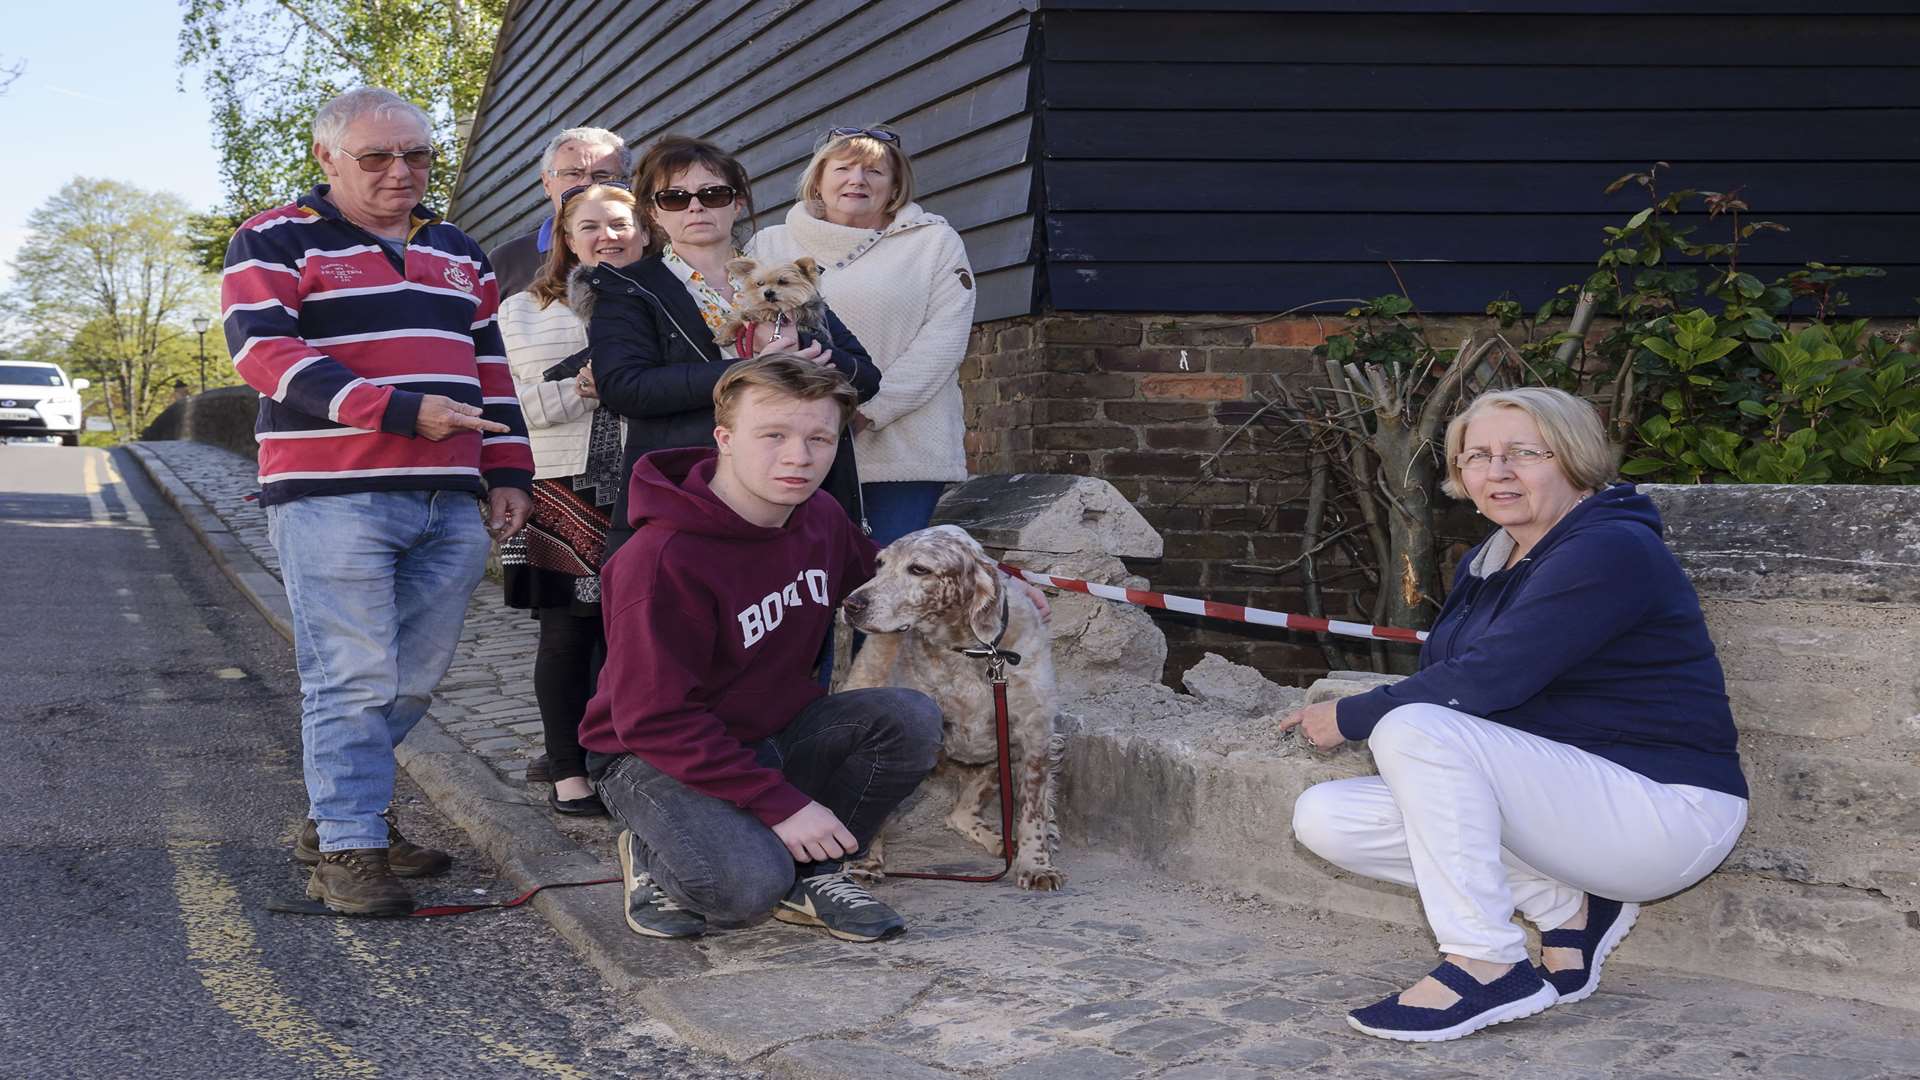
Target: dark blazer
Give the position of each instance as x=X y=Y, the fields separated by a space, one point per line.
x=655 y=364
x=516 y=263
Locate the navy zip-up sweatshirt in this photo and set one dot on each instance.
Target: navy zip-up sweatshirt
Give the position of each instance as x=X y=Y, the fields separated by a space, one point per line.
x=1595 y=639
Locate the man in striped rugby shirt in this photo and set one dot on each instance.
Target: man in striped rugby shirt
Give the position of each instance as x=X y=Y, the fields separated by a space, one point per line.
x=387 y=409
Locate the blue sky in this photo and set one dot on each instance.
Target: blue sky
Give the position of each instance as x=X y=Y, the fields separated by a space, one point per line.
x=100 y=98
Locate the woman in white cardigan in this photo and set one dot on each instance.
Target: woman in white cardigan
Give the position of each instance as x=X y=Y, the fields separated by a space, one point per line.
x=552 y=568
x=898 y=277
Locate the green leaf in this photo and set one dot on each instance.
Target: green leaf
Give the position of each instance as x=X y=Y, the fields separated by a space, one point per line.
x=1641 y=466
x=1752 y=407
x=1640 y=218
x=1672 y=401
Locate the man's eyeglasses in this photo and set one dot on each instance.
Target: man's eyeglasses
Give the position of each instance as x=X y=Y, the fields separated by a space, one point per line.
x=581 y=177
x=375 y=161
x=713 y=197
x=882 y=134
x=567 y=195
x=1516 y=457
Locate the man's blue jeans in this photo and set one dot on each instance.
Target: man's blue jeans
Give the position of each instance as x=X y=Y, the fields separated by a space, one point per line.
x=379 y=583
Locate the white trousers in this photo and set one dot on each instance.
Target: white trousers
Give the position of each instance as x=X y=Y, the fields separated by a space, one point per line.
x=1484 y=820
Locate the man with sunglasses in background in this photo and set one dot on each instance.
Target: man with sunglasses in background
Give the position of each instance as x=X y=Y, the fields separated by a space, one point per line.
x=366 y=323
x=572 y=159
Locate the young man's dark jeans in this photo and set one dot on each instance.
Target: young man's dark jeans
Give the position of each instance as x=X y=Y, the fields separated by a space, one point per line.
x=859 y=754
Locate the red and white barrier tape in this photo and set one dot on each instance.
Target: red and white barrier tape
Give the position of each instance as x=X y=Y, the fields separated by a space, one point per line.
x=1212 y=609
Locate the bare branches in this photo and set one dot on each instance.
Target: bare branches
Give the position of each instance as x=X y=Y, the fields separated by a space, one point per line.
x=10 y=72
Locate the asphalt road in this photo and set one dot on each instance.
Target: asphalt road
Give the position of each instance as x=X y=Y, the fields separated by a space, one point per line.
x=149 y=793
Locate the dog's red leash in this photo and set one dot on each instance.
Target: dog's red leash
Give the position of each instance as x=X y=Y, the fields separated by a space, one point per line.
x=997 y=660
x=997 y=673
x=314 y=907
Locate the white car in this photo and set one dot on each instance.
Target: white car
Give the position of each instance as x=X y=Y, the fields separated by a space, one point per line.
x=39 y=399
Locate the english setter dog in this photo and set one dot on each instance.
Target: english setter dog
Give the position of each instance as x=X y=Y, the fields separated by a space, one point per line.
x=934 y=594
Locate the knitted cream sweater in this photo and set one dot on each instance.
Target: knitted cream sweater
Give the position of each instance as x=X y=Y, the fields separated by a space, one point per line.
x=559 y=420
x=907 y=293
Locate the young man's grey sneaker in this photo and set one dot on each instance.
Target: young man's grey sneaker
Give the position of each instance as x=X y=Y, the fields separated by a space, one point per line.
x=650 y=911
x=838 y=903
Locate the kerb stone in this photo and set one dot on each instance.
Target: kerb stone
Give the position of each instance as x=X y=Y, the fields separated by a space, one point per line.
x=744 y=1015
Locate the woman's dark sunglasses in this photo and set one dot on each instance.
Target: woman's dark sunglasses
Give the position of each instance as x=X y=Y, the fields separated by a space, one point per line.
x=713 y=198
x=882 y=134
x=567 y=195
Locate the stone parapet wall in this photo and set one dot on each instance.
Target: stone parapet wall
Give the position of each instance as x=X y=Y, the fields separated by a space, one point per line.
x=222 y=418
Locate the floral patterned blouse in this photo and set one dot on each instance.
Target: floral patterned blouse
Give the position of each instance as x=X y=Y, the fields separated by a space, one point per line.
x=713 y=307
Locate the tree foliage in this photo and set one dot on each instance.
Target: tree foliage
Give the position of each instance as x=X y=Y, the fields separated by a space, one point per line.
x=105 y=286
x=268 y=65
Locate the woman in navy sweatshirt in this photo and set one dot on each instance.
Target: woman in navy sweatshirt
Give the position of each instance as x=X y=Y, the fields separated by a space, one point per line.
x=1565 y=749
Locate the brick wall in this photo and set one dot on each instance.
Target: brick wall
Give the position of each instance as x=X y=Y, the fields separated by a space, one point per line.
x=1143 y=401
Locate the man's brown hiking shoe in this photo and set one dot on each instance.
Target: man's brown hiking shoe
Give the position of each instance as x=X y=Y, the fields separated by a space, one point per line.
x=405 y=858
x=358 y=882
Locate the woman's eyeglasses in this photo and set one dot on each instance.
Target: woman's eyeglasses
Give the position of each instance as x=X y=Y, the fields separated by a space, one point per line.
x=882 y=134
x=1516 y=457
x=376 y=161
x=713 y=198
x=567 y=195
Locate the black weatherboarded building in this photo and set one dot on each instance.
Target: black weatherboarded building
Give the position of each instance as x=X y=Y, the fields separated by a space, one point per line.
x=1137 y=181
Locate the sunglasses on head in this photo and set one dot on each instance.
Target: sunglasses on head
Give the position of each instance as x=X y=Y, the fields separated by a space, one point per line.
x=712 y=197
x=382 y=160
x=882 y=134
x=567 y=195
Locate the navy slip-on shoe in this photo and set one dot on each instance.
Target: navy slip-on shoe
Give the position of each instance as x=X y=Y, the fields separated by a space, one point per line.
x=1607 y=923
x=1520 y=992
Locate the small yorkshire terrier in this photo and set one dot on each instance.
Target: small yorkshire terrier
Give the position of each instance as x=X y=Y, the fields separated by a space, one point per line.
x=781 y=295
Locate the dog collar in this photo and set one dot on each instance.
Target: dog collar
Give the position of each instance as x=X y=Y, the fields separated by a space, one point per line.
x=991 y=651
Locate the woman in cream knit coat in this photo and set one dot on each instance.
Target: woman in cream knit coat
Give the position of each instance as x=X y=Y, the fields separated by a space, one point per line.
x=553 y=567
x=899 y=277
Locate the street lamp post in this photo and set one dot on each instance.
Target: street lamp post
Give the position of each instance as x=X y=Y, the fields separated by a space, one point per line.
x=200 y=325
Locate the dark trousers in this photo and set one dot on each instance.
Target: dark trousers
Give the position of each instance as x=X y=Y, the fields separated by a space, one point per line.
x=859 y=754
x=566 y=668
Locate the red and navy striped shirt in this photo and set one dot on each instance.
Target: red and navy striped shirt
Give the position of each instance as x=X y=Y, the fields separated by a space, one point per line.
x=343 y=336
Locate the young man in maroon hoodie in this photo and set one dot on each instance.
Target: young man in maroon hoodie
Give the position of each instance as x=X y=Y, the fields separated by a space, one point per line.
x=742 y=786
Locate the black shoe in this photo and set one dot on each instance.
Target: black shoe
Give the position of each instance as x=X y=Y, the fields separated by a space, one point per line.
x=540 y=770
x=838 y=903
x=650 y=911
x=588 y=805
x=406 y=858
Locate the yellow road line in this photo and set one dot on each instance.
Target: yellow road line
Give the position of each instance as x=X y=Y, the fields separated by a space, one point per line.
x=222 y=948
x=381 y=981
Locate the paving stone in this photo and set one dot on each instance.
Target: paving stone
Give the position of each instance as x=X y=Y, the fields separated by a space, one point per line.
x=1123 y=967
x=511 y=744
x=1096 y=1013
x=1820 y=1067
x=1267 y=1010
x=1211 y=1072
x=836 y=1060
x=731 y=1013
x=1084 y=1063
x=1171 y=1038
x=1287 y=1053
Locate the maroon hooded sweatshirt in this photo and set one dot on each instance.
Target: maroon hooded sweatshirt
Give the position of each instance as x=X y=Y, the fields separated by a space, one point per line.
x=713 y=626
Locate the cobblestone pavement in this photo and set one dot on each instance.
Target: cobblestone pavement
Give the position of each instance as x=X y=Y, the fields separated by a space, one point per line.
x=1124 y=974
